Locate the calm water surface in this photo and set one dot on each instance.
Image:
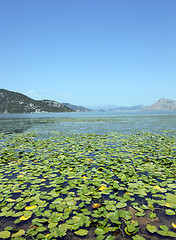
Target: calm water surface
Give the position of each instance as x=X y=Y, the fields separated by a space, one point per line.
x=89 y=122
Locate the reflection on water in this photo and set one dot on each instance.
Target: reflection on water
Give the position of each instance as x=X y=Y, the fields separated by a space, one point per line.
x=93 y=122
x=20 y=125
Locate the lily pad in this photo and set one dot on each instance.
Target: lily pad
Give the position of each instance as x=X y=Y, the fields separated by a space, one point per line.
x=121 y=205
x=151 y=228
x=100 y=231
x=115 y=217
x=131 y=228
x=19 y=233
x=166 y=233
x=81 y=232
x=152 y=215
x=52 y=224
x=138 y=237
x=169 y=212
x=4 y=234
x=30 y=207
x=110 y=237
x=41 y=229
x=23 y=218
x=164 y=227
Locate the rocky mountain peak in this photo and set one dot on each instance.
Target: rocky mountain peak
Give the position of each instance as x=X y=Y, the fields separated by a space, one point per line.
x=162 y=104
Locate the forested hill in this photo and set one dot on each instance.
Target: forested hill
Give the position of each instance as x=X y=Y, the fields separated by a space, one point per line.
x=14 y=102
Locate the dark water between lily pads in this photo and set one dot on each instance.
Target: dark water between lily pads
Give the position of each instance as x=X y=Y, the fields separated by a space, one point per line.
x=89 y=122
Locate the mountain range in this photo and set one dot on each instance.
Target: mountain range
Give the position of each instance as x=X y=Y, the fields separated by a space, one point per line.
x=14 y=102
x=105 y=108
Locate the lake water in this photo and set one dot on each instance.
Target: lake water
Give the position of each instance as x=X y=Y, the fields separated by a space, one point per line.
x=89 y=122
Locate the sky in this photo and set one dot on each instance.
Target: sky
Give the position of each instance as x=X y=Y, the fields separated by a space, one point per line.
x=89 y=52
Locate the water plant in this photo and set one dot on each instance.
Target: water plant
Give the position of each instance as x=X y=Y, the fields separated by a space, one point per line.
x=88 y=186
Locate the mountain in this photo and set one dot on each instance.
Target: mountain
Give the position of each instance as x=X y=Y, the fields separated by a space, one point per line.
x=123 y=108
x=77 y=108
x=105 y=108
x=162 y=104
x=14 y=102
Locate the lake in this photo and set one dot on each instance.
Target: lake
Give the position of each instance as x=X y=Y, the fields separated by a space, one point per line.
x=84 y=176
x=89 y=122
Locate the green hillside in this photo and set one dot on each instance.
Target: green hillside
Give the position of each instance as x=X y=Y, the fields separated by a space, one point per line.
x=14 y=102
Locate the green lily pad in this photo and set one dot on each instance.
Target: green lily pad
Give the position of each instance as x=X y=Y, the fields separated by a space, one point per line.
x=40 y=236
x=138 y=237
x=115 y=217
x=100 y=237
x=125 y=215
x=169 y=212
x=170 y=198
x=19 y=233
x=99 y=231
x=4 y=234
x=52 y=224
x=152 y=215
x=41 y=229
x=81 y=232
x=110 y=237
x=116 y=185
x=121 y=205
x=151 y=228
x=81 y=221
x=166 y=233
x=27 y=214
x=164 y=227
x=131 y=228
x=140 y=214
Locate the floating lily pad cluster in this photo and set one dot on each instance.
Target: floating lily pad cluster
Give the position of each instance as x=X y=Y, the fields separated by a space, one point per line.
x=88 y=186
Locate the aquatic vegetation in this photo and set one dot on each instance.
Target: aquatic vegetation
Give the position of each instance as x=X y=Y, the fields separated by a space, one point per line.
x=88 y=186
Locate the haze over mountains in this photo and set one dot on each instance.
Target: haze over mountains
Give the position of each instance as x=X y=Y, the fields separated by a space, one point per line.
x=14 y=102
x=114 y=107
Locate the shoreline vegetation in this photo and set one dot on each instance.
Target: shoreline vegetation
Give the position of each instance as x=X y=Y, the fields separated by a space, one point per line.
x=88 y=186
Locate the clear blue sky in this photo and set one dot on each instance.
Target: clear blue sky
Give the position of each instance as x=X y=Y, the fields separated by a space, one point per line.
x=89 y=52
